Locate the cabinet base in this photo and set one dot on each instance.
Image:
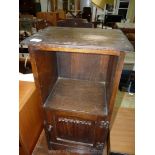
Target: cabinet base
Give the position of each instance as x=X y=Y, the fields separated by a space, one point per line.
x=74 y=149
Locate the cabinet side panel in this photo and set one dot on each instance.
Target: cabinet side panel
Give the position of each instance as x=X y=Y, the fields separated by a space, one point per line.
x=113 y=77
x=91 y=67
x=112 y=65
x=44 y=66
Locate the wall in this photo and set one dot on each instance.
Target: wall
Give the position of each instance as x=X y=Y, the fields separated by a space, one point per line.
x=60 y=5
x=131 y=11
x=44 y=5
x=85 y=3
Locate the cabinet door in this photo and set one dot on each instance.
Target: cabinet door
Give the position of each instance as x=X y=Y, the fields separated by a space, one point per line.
x=75 y=130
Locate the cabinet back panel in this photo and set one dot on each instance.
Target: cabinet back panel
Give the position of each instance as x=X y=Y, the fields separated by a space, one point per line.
x=91 y=67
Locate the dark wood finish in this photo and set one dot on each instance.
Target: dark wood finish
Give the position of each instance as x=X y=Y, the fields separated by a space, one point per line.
x=110 y=77
x=73 y=130
x=116 y=80
x=41 y=149
x=83 y=40
x=75 y=22
x=30 y=117
x=78 y=95
x=77 y=73
x=75 y=65
x=46 y=75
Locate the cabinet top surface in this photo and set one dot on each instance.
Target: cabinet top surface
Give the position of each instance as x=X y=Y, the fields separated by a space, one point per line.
x=80 y=38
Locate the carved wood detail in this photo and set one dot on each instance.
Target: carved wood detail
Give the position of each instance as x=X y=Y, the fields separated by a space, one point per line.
x=75 y=121
x=100 y=145
x=104 y=124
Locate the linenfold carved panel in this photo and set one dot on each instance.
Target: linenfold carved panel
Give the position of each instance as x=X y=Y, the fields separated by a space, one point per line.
x=75 y=129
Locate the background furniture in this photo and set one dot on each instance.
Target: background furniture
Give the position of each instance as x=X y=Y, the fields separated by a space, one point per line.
x=77 y=75
x=86 y=14
x=129 y=30
x=127 y=82
x=75 y=22
x=52 y=17
x=29 y=25
x=30 y=117
x=29 y=7
x=110 y=20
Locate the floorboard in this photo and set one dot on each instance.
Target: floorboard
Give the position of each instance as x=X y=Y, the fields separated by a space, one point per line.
x=123 y=131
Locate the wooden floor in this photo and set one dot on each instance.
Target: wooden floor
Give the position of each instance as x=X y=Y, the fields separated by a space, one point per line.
x=122 y=137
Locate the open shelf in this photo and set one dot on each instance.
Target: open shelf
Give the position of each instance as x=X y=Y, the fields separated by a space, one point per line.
x=79 y=96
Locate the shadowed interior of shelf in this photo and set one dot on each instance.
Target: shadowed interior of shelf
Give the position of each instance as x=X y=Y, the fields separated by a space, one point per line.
x=74 y=76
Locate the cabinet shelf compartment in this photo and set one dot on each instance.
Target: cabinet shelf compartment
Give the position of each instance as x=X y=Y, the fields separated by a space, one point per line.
x=78 y=96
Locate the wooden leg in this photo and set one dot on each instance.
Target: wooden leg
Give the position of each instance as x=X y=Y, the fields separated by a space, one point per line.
x=106 y=150
x=48 y=138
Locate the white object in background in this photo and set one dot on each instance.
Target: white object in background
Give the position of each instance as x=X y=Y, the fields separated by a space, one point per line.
x=85 y=3
x=44 y=4
x=36 y=40
x=23 y=55
x=26 y=77
x=23 y=46
x=34 y=30
x=60 y=5
x=127 y=21
x=125 y=25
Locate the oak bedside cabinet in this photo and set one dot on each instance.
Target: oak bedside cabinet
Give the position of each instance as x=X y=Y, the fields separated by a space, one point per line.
x=77 y=72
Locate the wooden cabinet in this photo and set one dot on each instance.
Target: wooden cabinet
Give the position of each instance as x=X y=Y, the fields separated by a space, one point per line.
x=50 y=17
x=77 y=72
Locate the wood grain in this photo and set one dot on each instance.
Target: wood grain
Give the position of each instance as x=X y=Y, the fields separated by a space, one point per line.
x=30 y=116
x=111 y=70
x=78 y=96
x=115 y=83
x=88 y=58
x=91 y=67
x=44 y=66
x=80 y=38
x=26 y=90
x=122 y=135
x=123 y=131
